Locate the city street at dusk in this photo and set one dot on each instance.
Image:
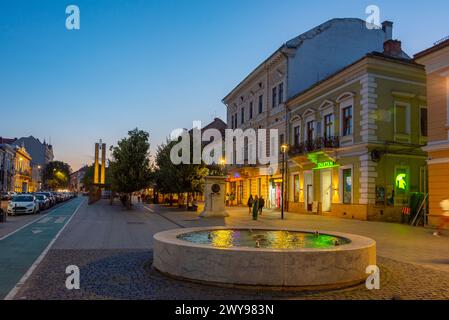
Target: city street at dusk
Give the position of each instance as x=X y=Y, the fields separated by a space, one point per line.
x=224 y=159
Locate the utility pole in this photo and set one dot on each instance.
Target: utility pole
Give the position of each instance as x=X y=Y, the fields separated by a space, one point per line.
x=284 y=149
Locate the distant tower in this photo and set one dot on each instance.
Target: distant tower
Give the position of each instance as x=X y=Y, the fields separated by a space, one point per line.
x=103 y=163
x=96 y=165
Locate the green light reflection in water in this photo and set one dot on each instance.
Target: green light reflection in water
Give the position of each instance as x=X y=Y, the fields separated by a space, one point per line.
x=263 y=239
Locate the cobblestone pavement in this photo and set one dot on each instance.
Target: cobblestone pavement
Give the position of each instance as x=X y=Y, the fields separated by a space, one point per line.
x=127 y=274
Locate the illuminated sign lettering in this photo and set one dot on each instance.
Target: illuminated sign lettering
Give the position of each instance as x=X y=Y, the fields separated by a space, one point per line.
x=325 y=165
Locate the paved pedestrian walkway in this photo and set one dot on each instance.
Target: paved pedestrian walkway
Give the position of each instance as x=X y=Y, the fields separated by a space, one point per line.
x=113 y=248
x=21 y=249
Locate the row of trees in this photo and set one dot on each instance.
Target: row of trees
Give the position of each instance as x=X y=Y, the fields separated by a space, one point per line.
x=130 y=169
x=180 y=178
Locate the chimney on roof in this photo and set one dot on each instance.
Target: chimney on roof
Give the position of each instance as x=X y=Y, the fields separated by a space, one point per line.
x=393 y=48
x=387 y=27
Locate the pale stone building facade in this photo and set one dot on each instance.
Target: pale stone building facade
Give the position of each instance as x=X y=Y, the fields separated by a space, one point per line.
x=258 y=102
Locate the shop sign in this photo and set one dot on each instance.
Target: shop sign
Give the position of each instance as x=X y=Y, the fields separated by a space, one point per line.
x=325 y=165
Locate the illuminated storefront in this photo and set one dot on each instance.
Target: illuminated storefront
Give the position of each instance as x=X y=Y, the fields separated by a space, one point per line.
x=355 y=146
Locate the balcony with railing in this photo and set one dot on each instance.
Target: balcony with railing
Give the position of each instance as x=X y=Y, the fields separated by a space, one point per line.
x=317 y=144
x=23 y=172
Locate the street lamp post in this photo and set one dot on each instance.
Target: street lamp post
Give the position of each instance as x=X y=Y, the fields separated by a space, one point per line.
x=284 y=149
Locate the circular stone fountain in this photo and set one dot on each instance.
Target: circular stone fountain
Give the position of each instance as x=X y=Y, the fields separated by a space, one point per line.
x=261 y=257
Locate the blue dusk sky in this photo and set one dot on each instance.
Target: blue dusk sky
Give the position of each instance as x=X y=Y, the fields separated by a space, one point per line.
x=155 y=65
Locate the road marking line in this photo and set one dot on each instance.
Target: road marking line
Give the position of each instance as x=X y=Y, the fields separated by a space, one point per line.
x=31 y=222
x=60 y=220
x=149 y=209
x=45 y=220
x=13 y=292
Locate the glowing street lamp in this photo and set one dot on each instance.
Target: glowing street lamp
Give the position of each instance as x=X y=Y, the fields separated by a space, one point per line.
x=284 y=149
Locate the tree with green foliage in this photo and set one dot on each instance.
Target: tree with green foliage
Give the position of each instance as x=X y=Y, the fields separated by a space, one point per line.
x=56 y=175
x=171 y=178
x=130 y=165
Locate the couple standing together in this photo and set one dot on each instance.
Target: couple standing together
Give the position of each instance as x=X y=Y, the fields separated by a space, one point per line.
x=255 y=205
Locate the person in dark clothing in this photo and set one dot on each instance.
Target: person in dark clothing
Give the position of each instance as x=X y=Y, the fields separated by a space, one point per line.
x=250 y=203
x=261 y=204
x=255 y=208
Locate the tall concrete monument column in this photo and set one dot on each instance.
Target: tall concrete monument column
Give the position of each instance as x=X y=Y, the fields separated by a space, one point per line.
x=96 y=164
x=103 y=164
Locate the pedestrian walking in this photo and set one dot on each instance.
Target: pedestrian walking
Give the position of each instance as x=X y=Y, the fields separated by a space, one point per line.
x=255 y=207
x=261 y=204
x=250 y=203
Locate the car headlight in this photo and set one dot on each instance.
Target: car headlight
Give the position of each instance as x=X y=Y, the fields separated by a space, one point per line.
x=30 y=205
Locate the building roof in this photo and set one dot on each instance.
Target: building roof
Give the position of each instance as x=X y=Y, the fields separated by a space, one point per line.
x=7 y=140
x=41 y=152
x=374 y=55
x=218 y=124
x=438 y=46
x=294 y=44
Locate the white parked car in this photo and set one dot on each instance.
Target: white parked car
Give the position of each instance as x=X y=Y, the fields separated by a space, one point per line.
x=23 y=204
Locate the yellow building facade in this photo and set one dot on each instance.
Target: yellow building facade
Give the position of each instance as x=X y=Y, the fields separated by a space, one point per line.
x=355 y=141
x=436 y=61
x=22 y=171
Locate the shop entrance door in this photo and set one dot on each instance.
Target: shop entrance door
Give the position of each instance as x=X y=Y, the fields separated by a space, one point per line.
x=275 y=195
x=309 y=191
x=326 y=190
x=309 y=198
x=240 y=193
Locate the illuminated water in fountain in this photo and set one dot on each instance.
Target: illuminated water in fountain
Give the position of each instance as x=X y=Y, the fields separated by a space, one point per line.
x=268 y=239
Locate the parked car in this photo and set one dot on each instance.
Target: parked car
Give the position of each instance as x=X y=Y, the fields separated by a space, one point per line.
x=44 y=202
x=7 y=195
x=23 y=204
x=58 y=197
x=50 y=196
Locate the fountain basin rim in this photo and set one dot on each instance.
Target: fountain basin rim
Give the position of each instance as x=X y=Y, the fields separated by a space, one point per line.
x=356 y=242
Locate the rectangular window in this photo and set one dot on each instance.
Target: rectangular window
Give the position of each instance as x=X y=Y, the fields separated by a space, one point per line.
x=296 y=136
x=242 y=116
x=401 y=119
x=328 y=126
x=310 y=129
x=347 y=186
x=251 y=110
x=296 y=188
x=261 y=104
x=281 y=93
x=274 y=97
x=423 y=120
x=347 y=121
x=235 y=121
x=232 y=122
x=281 y=139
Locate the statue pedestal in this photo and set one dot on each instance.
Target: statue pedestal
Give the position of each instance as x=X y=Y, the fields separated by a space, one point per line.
x=215 y=191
